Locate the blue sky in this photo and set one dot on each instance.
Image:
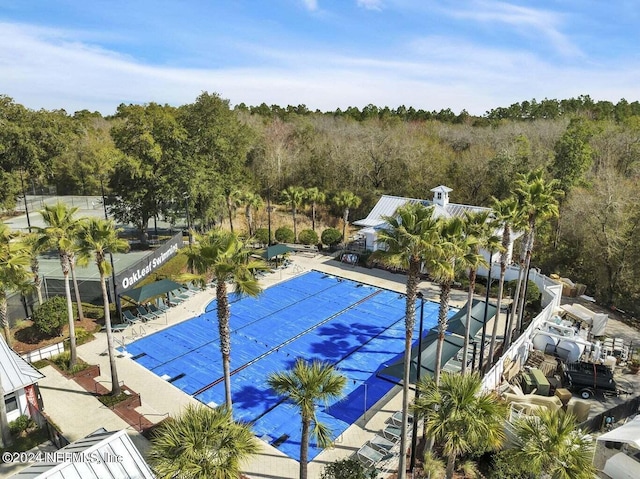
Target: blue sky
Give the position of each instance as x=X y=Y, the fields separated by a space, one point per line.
x=326 y=54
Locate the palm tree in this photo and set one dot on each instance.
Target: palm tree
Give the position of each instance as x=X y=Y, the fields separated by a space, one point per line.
x=481 y=227
x=60 y=233
x=345 y=200
x=459 y=416
x=74 y=260
x=539 y=201
x=553 y=447
x=201 y=443
x=233 y=199
x=315 y=197
x=408 y=241
x=305 y=385
x=293 y=197
x=14 y=275
x=33 y=249
x=224 y=256
x=507 y=214
x=455 y=253
x=99 y=237
x=251 y=202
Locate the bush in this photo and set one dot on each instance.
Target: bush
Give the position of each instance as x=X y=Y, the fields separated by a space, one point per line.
x=347 y=469
x=21 y=424
x=533 y=292
x=285 y=235
x=51 y=316
x=62 y=362
x=308 y=237
x=83 y=336
x=505 y=466
x=331 y=236
x=262 y=235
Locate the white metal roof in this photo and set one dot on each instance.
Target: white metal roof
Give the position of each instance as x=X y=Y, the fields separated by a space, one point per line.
x=100 y=455
x=387 y=206
x=16 y=373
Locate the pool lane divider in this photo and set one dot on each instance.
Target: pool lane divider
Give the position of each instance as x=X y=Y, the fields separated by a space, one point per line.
x=288 y=341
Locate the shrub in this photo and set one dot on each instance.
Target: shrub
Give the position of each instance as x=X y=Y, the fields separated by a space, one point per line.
x=331 y=236
x=347 y=469
x=83 y=336
x=505 y=466
x=308 y=237
x=21 y=424
x=285 y=235
x=533 y=292
x=62 y=362
x=262 y=235
x=51 y=316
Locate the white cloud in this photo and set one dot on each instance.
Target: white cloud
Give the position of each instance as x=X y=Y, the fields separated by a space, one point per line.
x=42 y=69
x=523 y=20
x=311 y=4
x=370 y=4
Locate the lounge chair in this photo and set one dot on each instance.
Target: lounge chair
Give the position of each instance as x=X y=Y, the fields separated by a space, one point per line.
x=392 y=433
x=382 y=444
x=153 y=309
x=144 y=314
x=175 y=300
x=129 y=317
x=396 y=419
x=368 y=456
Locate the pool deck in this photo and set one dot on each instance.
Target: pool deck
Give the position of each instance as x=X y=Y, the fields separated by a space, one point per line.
x=160 y=398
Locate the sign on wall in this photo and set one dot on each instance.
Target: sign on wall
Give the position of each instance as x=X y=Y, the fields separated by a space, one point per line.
x=128 y=278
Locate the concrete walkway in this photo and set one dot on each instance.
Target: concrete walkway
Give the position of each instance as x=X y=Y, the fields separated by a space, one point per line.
x=78 y=413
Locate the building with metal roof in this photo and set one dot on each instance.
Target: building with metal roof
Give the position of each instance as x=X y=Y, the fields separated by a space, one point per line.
x=100 y=455
x=387 y=206
x=17 y=377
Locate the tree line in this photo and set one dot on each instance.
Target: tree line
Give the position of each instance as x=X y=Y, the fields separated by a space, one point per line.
x=155 y=161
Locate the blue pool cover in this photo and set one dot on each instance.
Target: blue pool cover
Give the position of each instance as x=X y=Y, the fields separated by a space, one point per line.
x=358 y=327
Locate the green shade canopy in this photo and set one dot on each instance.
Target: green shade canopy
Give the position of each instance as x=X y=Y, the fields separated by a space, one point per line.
x=452 y=344
x=457 y=322
x=276 y=250
x=141 y=294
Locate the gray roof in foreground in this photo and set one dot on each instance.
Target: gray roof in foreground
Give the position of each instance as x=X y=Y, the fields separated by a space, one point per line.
x=15 y=372
x=100 y=455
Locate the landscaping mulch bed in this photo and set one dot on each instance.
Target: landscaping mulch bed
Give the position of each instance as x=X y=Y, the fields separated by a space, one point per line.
x=25 y=338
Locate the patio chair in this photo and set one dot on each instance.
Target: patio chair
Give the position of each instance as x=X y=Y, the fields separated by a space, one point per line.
x=368 y=456
x=144 y=314
x=129 y=317
x=396 y=419
x=392 y=433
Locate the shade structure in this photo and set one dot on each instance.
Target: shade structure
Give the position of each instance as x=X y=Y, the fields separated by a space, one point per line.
x=458 y=321
x=276 y=250
x=452 y=344
x=141 y=294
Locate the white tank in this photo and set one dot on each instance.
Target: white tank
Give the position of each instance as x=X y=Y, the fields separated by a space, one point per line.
x=610 y=361
x=544 y=343
x=569 y=351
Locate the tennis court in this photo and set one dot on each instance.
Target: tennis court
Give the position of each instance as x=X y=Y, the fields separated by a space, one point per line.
x=358 y=327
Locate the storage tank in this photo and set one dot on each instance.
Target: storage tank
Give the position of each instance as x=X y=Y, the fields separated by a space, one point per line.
x=544 y=343
x=570 y=351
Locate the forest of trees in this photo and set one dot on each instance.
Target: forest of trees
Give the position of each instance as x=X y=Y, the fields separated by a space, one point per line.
x=149 y=158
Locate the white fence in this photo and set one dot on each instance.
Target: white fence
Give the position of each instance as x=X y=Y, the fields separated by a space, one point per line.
x=44 y=353
x=522 y=346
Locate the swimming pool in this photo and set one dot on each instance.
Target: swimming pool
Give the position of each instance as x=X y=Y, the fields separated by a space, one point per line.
x=358 y=327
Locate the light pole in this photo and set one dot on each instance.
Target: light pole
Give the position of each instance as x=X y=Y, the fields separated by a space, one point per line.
x=269 y=214
x=484 y=321
x=116 y=299
x=186 y=197
x=414 y=433
x=24 y=196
